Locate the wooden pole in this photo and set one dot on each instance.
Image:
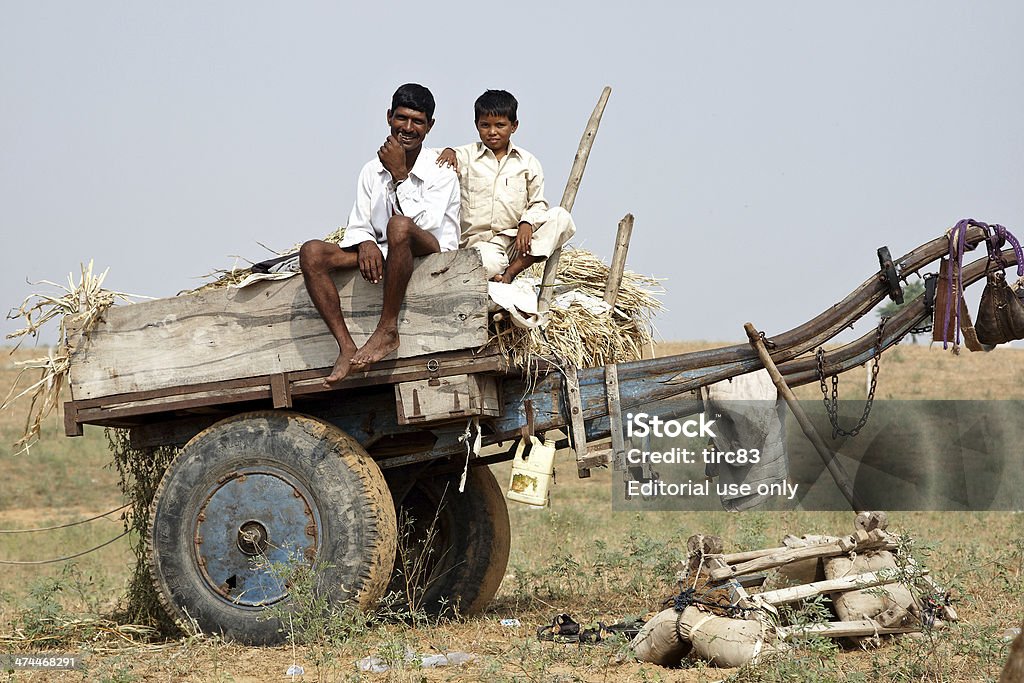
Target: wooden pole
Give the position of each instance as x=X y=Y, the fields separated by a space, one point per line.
x=622 y=236
x=859 y=541
x=783 y=596
x=835 y=468
x=572 y=186
x=842 y=629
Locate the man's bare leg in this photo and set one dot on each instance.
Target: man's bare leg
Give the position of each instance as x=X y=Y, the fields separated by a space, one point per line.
x=518 y=265
x=405 y=240
x=317 y=259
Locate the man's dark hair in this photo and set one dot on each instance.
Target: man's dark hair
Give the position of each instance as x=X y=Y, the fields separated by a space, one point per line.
x=413 y=96
x=496 y=103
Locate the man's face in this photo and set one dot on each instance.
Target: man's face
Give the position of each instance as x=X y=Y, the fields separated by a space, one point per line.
x=495 y=131
x=409 y=127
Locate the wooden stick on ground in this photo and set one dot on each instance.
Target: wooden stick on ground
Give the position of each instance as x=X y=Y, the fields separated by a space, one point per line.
x=572 y=186
x=858 y=541
x=807 y=590
x=842 y=629
x=835 y=468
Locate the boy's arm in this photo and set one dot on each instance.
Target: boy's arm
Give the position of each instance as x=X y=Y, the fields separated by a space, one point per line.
x=447 y=158
x=456 y=158
x=536 y=205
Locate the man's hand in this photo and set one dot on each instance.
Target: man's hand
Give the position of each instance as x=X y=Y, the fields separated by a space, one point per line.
x=392 y=155
x=371 y=261
x=447 y=158
x=523 y=239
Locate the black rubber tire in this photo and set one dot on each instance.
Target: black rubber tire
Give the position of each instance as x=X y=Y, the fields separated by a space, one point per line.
x=327 y=470
x=470 y=547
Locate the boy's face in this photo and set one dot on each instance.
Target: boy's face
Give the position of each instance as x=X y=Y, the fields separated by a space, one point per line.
x=495 y=131
x=409 y=127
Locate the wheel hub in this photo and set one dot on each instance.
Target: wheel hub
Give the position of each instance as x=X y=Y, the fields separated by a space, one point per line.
x=253 y=525
x=252 y=538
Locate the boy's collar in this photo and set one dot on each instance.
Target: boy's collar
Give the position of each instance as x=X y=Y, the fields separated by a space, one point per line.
x=481 y=149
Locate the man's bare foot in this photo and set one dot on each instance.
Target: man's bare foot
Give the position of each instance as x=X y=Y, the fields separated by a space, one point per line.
x=380 y=344
x=341 y=366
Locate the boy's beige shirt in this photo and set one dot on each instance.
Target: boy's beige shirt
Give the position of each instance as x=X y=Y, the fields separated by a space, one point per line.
x=498 y=196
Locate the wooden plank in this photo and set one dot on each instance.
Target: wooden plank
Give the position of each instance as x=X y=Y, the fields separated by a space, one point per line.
x=611 y=382
x=109 y=410
x=241 y=395
x=446 y=398
x=807 y=590
x=858 y=541
x=842 y=629
x=272 y=327
x=622 y=237
x=280 y=390
x=72 y=427
x=577 y=429
x=788 y=543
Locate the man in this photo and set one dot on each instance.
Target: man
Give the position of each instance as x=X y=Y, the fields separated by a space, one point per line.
x=406 y=206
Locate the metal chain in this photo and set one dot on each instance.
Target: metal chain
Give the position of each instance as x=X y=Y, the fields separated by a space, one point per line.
x=832 y=402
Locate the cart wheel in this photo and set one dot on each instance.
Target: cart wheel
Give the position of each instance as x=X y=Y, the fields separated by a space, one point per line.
x=453 y=546
x=252 y=494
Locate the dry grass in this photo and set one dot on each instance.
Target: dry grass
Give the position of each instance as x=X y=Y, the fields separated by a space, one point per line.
x=575 y=335
x=76 y=308
x=219 y=279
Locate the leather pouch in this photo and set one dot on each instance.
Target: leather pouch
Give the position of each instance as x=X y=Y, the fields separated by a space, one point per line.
x=1001 y=313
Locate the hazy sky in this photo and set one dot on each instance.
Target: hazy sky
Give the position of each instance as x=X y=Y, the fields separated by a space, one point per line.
x=766 y=149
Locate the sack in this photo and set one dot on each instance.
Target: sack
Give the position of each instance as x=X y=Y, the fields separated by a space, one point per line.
x=1001 y=313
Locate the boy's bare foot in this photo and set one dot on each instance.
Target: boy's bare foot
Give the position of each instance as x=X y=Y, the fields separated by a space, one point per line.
x=380 y=344
x=341 y=366
x=497 y=278
x=518 y=265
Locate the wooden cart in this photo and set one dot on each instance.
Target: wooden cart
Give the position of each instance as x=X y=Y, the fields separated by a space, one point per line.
x=274 y=465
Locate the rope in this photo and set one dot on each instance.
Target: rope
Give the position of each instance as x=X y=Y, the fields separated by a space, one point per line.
x=62 y=526
x=689 y=596
x=67 y=557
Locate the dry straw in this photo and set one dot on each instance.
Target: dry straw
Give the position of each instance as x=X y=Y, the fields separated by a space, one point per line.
x=234 y=275
x=78 y=307
x=576 y=335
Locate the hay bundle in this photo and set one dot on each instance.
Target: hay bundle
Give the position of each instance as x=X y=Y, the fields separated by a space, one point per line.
x=78 y=306
x=577 y=335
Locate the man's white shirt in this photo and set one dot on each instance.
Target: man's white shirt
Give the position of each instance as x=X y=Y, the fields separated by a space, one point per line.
x=429 y=196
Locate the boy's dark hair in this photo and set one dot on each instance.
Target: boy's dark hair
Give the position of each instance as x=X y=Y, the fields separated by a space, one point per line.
x=413 y=96
x=496 y=103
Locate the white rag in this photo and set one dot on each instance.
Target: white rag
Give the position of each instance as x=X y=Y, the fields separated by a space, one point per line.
x=748 y=414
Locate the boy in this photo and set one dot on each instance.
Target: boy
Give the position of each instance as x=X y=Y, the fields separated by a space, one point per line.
x=504 y=213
